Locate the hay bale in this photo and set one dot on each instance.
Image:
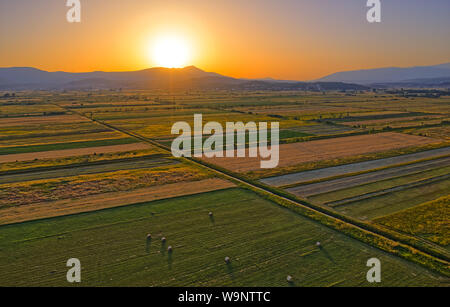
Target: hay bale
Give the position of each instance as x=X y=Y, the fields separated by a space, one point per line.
x=149 y=237
x=318 y=244
x=289 y=279
x=170 y=249
x=210 y=214
x=163 y=239
x=227 y=260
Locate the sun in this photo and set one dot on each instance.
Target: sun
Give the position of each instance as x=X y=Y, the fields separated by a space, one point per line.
x=171 y=52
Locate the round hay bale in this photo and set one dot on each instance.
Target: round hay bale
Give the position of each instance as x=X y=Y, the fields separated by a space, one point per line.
x=227 y=260
x=289 y=279
x=170 y=249
x=149 y=237
x=318 y=244
x=210 y=214
x=163 y=239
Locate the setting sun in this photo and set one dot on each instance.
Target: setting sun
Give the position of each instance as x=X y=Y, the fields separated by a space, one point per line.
x=171 y=52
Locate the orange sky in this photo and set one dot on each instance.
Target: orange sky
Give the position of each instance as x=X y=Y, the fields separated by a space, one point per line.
x=285 y=39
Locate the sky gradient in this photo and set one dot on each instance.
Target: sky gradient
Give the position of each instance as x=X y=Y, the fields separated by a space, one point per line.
x=284 y=39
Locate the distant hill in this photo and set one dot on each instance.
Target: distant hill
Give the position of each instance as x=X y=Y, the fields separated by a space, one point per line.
x=390 y=74
x=443 y=83
x=26 y=78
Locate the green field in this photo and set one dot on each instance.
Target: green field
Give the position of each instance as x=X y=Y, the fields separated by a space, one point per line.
x=265 y=243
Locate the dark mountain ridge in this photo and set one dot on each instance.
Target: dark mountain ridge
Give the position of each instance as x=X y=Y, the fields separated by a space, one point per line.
x=28 y=78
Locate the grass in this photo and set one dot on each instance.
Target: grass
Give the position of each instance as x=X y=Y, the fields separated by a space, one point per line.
x=386 y=204
x=74 y=137
x=265 y=243
x=67 y=145
x=18 y=109
x=45 y=130
x=429 y=221
x=377 y=186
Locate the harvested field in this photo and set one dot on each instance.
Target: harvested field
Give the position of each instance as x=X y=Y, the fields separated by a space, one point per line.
x=292 y=154
x=264 y=241
x=85 y=170
x=72 y=152
x=38 y=120
x=109 y=200
x=429 y=221
x=348 y=182
x=23 y=193
x=328 y=172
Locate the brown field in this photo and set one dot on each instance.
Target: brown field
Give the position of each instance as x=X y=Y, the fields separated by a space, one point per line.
x=57 y=119
x=72 y=152
x=79 y=186
x=296 y=153
x=109 y=200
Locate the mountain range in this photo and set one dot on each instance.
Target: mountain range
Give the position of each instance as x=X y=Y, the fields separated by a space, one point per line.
x=408 y=75
x=191 y=77
x=28 y=78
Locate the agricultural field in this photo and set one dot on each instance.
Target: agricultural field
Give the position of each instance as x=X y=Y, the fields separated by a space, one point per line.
x=429 y=220
x=87 y=174
x=441 y=132
x=327 y=149
x=115 y=251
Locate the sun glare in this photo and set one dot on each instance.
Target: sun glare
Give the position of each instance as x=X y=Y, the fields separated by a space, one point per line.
x=171 y=52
